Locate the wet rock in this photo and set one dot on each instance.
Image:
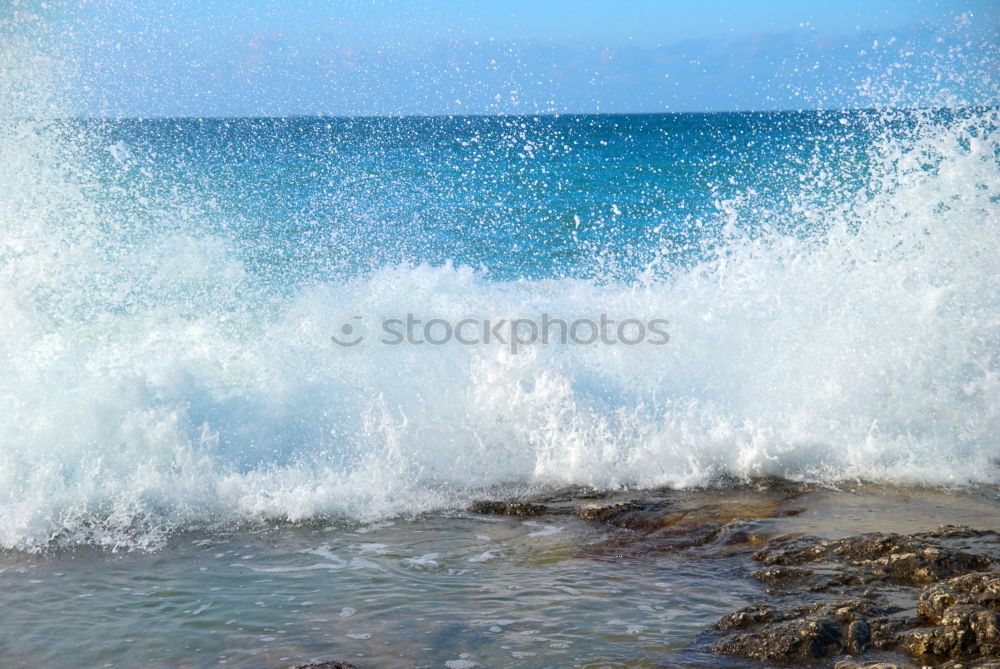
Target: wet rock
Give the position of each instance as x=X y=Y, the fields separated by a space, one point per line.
x=573 y=494
x=659 y=512
x=753 y=615
x=787 y=642
x=715 y=536
x=765 y=484
x=982 y=589
x=804 y=633
x=975 y=664
x=677 y=523
x=958 y=532
x=620 y=514
x=916 y=559
x=966 y=631
x=941 y=576
x=660 y=517
x=782 y=575
x=669 y=509
x=508 y=508
x=859 y=633
x=329 y=664
x=718 y=533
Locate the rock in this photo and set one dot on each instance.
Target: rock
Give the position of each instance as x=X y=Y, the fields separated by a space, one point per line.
x=955 y=600
x=859 y=633
x=750 y=616
x=795 y=641
x=666 y=518
x=573 y=494
x=619 y=514
x=670 y=525
x=965 y=612
x=709 y=535
x=329 y=664
x=982 y=589
x=508 y=508
x=966 y=631
x=781 y=574
x=958 y=532
x=805 y=633
x=903 y=559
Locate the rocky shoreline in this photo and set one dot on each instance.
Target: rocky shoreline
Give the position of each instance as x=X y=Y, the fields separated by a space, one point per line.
x=932 y=596
x=924 y=598
x=875 y=599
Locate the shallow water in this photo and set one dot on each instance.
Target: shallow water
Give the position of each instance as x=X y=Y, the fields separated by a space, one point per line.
x=498 y=592
x=551 y=591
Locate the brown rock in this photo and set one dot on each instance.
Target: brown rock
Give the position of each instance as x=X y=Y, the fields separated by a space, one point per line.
x=508 y=508
x=982 y=589
x=903 y=559
x=750 y=616
x=618 y=514
x=966 y=631
x=807 y=633
x=781 y=574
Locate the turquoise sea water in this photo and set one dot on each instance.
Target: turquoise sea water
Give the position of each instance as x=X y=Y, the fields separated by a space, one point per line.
x=533 y=197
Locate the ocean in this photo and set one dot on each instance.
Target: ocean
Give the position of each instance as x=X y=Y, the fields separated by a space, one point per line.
x=213 y=450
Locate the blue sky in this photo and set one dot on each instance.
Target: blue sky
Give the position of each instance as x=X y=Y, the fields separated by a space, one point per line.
x=374 y=57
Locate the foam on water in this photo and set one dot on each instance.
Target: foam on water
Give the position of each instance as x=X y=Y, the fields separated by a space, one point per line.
x=149 y=382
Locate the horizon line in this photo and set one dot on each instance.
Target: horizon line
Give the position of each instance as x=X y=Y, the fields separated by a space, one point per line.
x=324 y=115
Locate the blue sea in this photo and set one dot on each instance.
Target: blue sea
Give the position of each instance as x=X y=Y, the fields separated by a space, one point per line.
x=194 y=471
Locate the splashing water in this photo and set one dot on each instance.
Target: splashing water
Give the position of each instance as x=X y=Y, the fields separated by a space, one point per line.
x=165 y=354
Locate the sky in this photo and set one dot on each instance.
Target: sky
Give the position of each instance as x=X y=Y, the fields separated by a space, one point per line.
x=381 y=57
